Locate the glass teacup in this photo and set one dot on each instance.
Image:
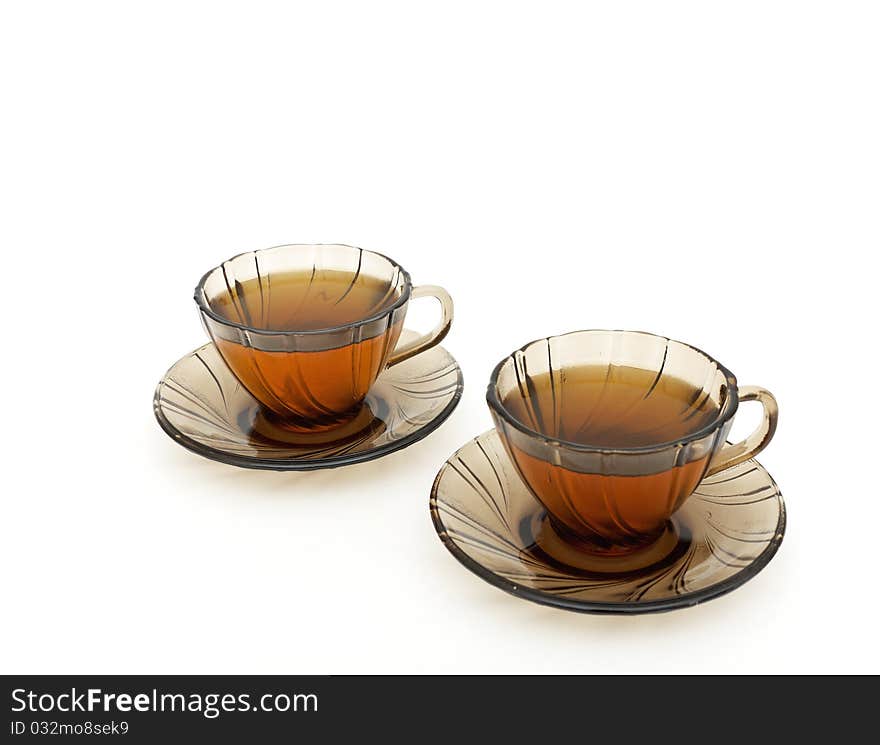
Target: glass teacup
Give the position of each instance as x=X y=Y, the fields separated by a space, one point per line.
x=307 y=329
x=613 y=430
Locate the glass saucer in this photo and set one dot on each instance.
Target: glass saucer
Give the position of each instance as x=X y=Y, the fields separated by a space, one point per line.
x=202 y=406
x=723 y=536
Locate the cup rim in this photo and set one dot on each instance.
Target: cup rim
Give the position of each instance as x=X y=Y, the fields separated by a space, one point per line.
x=727 y=411
x=204 y=307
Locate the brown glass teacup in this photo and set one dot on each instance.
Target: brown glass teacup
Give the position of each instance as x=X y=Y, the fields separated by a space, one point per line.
x=613 y=430
x=307 y=329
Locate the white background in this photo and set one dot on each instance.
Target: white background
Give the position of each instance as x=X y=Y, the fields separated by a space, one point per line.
x=706 y=171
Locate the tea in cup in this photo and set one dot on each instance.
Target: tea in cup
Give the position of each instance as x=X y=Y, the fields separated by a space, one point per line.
x=613 y=430
x=307 y=329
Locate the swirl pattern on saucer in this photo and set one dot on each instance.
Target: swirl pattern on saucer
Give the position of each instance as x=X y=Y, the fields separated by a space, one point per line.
x=490 y=522
x=202 y=406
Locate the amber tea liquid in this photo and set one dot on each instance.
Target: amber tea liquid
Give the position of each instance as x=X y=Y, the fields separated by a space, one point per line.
x=309 y=389
x=617 y=407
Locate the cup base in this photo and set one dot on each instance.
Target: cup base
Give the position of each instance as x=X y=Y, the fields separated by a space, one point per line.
x=301 y=425
x=562 y=547
x=298 y=432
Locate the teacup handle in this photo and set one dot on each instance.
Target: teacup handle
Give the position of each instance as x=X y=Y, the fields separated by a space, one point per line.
x=426 y=341
x=731 y=455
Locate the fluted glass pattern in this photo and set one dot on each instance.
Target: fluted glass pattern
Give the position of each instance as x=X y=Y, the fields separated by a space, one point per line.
x=306 y=328
x=586 y=420
x=203 y=407
x=492 y=523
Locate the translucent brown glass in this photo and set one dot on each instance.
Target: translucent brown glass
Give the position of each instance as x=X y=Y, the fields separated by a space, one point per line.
x=307 y=329
x=203 y=407
x=613 y=430
x=491 y=522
